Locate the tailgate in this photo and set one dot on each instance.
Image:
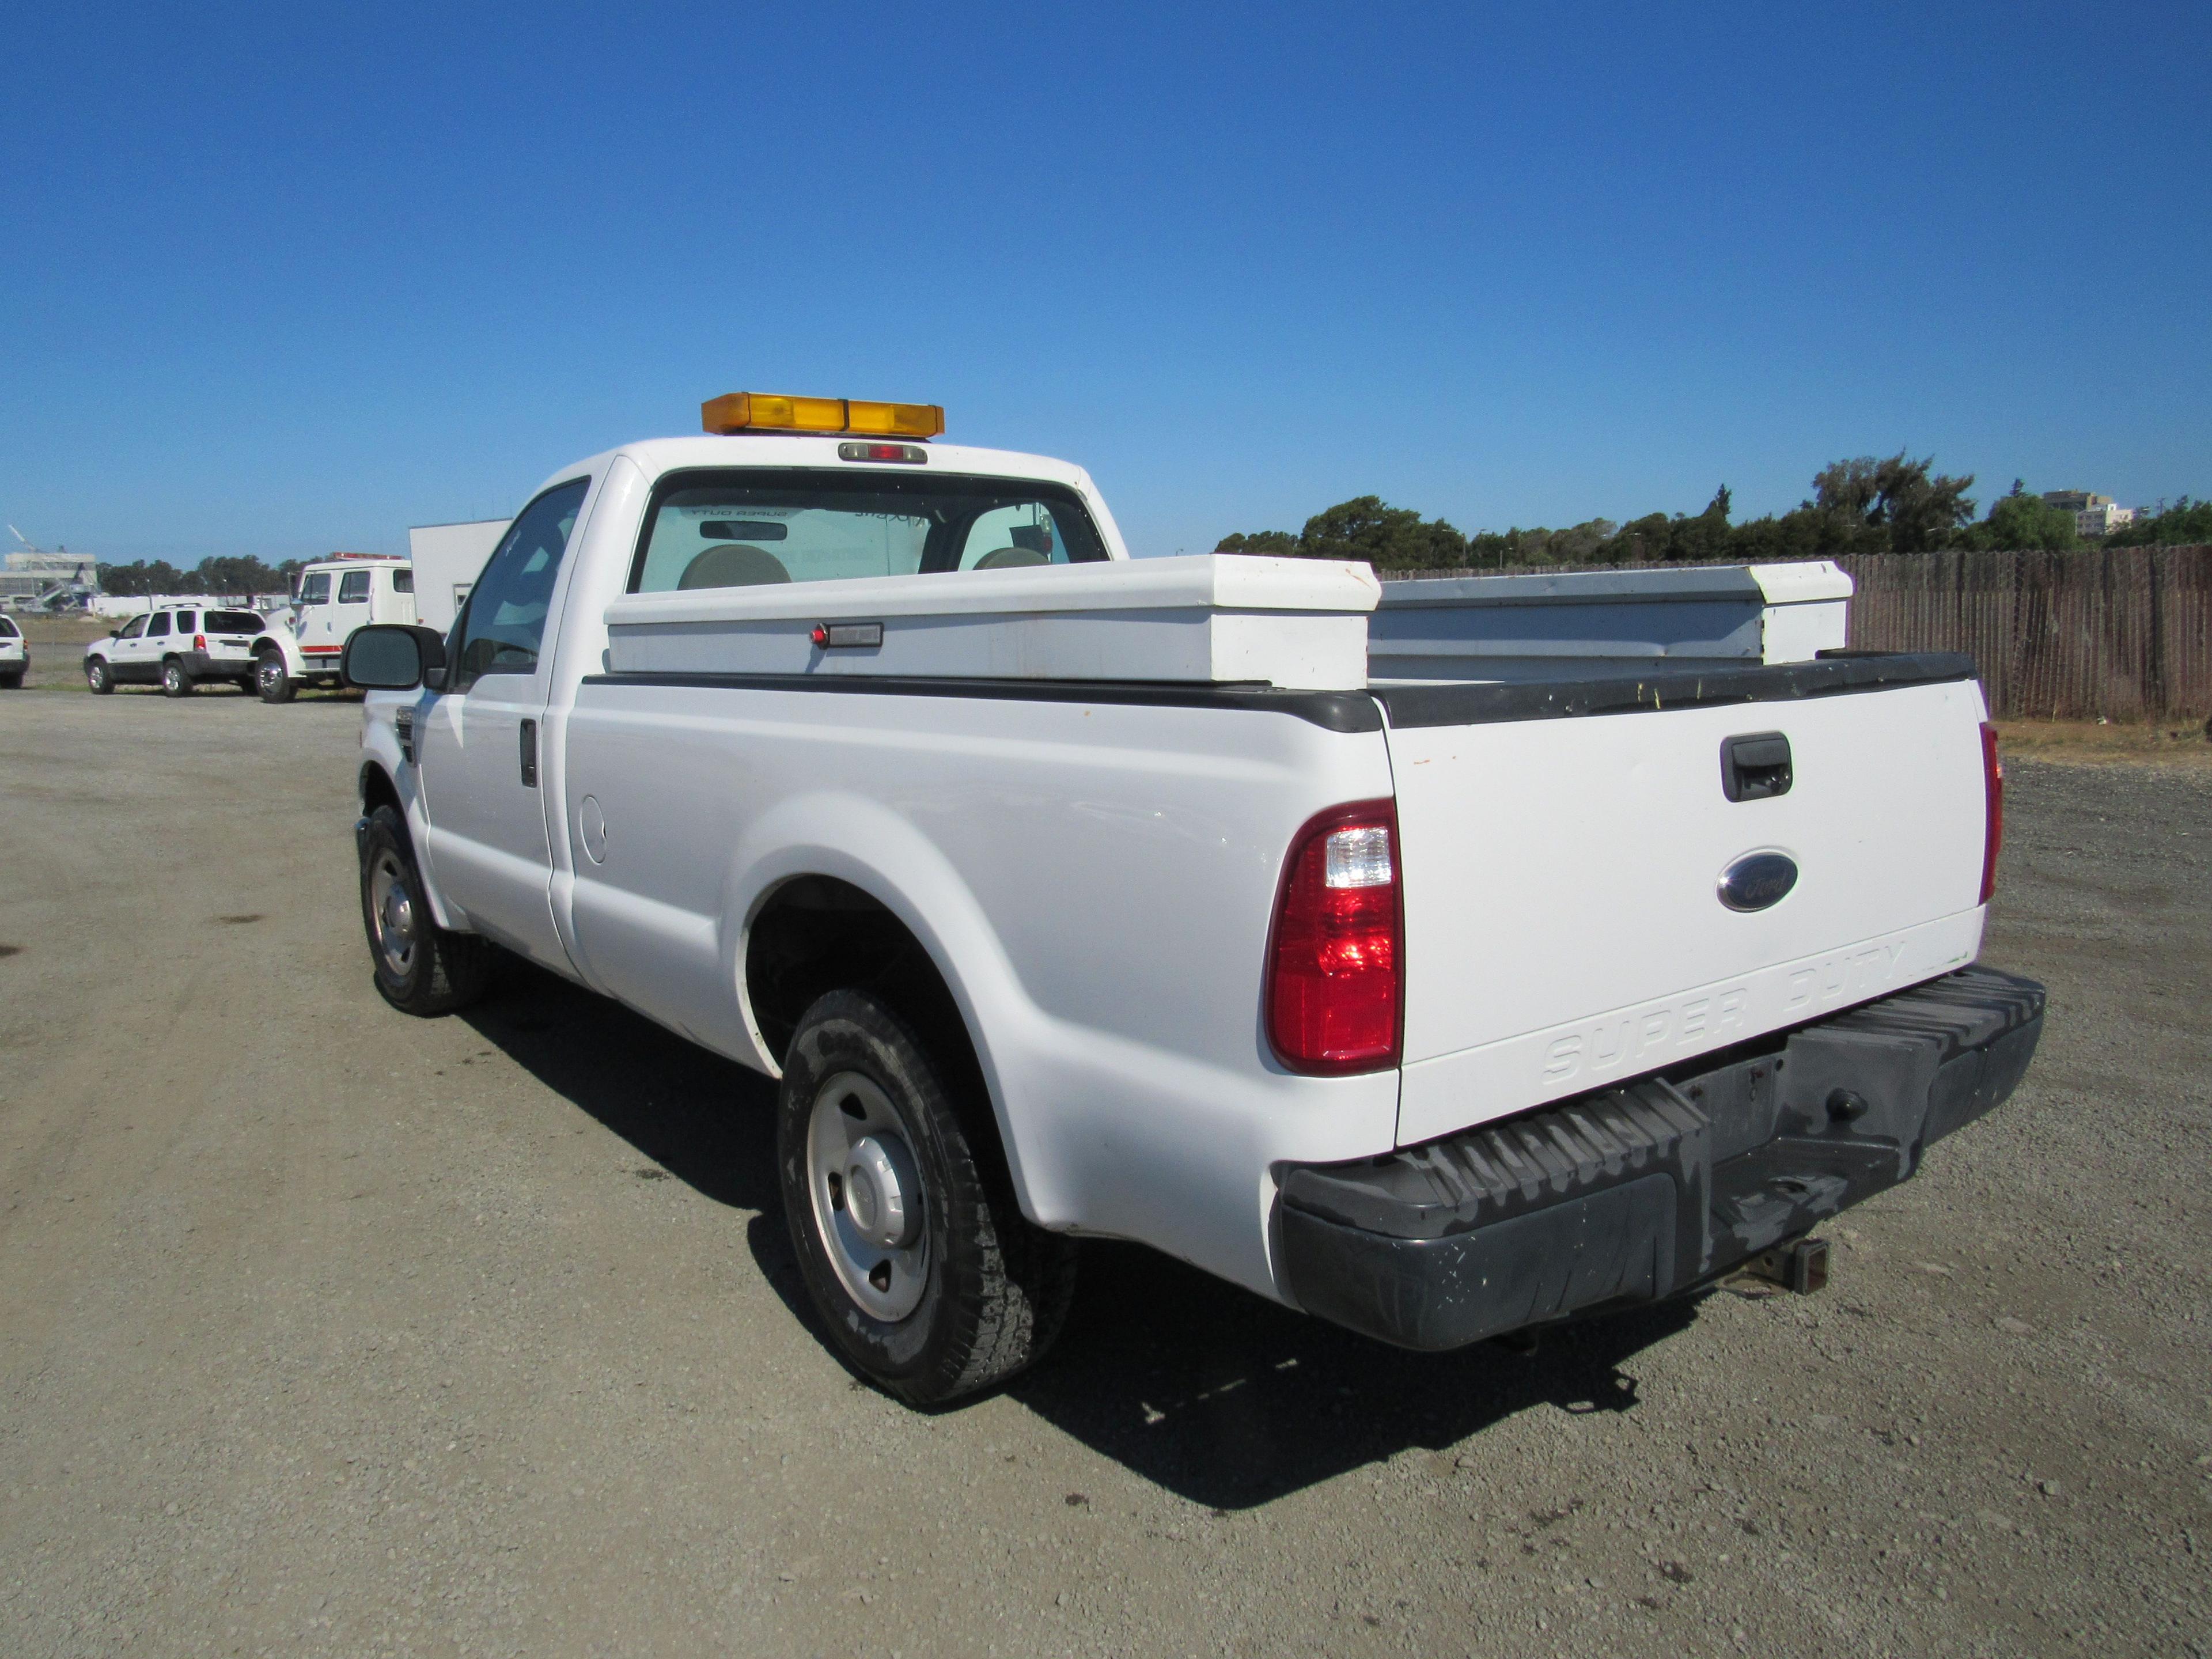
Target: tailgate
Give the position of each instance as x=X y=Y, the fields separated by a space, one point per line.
x=1561 y=870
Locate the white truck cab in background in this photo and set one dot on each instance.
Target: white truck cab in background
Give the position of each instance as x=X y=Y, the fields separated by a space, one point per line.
x=1231 y=905
x=335 y=597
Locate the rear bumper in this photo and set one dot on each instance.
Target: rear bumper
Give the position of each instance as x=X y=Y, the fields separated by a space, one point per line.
x=206 y=666
x=1635 y=1194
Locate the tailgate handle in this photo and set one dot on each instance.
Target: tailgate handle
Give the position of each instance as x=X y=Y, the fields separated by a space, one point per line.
x=1755 y=766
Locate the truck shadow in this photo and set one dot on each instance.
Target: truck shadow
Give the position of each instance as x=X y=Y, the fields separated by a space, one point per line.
x=704 y=1120
x=1230 y=1401
x=1206 y=1390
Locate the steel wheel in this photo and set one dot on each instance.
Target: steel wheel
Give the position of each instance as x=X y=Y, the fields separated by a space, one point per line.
x=392 y=906
x=866 y=1193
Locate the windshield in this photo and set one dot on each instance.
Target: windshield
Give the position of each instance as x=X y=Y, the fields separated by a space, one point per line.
x=231 y=622
x=745 y=529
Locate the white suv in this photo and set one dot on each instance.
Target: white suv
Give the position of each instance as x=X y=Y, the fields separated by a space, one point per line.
x=177 y=646
x=15 y=655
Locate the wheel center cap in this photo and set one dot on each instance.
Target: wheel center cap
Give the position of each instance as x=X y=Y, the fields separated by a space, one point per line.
x=878 y=1188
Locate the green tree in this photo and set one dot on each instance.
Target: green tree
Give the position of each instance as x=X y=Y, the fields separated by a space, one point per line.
x=1281 y=544
x=2020 y=521
x=1892 y=505
x=1388 y=538
x=1367 y=527
x=141 y=577
x=2185 y=524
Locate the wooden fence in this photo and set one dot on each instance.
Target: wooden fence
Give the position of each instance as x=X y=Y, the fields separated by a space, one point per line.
x=2123 y=633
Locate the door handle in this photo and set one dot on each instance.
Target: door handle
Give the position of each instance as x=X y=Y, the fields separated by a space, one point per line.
x=1755 y=766
x=530 y=753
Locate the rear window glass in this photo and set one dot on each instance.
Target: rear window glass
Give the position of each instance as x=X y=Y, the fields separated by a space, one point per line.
x=233 y=622
x=745 y=529
x=402 y=582
x=6 y=629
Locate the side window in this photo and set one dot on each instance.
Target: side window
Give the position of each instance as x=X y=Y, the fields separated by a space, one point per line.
x=504 y=621
x=159 y=625
x=402 y=580
x=1006 y=538
x=132 y=628
x=353 y=587
x=188 y=622
x=315 y=589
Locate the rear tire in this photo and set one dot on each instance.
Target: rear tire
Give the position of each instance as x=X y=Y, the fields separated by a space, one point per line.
x=175 y=682
x=420 y=969
x=99 y=679
x=12 y=682
x=270 y=680
x=974 y=1292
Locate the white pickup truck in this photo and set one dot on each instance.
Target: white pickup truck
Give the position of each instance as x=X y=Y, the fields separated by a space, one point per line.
x=1068 y=895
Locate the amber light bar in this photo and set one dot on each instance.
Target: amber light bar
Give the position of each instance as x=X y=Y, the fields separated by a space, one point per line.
x=759 y=411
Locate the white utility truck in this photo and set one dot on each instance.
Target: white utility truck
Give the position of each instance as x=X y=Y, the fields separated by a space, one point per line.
x=1068 y=894
x=336 y=596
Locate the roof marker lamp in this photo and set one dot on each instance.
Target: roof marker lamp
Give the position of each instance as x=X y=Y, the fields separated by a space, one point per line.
x=761 y=411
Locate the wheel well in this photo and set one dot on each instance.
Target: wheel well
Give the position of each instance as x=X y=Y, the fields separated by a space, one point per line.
x=264 y=643
x=377 y=790
x=817 y=934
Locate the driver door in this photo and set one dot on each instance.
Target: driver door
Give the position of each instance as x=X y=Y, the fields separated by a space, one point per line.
x=476 y=743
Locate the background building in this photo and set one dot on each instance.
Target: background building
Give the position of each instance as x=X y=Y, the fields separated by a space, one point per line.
x=2093 y=514
x=33 y=579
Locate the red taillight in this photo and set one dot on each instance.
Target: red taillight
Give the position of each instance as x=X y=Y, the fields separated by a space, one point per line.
x=199 y=641
x=1993 y=820
x=1335 y=960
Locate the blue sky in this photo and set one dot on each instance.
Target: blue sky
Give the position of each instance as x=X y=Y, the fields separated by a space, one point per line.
x=282 y=281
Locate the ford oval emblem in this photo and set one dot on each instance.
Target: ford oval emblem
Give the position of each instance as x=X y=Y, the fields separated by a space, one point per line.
x=1757 y=880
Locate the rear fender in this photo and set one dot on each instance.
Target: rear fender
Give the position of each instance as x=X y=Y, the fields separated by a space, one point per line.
x=860 y=841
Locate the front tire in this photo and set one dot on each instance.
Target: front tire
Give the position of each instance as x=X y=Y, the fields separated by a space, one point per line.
x=270 y=680
x=420 y=969
x=912 y=1246
x=175 y=683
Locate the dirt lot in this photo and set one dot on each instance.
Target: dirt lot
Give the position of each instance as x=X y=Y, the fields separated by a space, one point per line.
x=329 y=1331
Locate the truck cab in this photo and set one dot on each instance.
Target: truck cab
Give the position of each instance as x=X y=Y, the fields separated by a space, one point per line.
x=337 y=596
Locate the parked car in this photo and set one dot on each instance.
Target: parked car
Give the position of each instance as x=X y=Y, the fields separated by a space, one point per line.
x=1068 y=894
x=337 y=596
x=181 y=647
x=14 y=654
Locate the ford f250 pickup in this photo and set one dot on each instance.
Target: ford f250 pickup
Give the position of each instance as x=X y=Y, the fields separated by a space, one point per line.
x=1068 y=895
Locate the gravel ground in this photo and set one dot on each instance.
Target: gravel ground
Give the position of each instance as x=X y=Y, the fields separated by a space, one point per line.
x=326 y=1330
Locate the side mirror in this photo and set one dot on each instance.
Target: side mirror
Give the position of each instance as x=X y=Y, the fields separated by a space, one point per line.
x=391 y=656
